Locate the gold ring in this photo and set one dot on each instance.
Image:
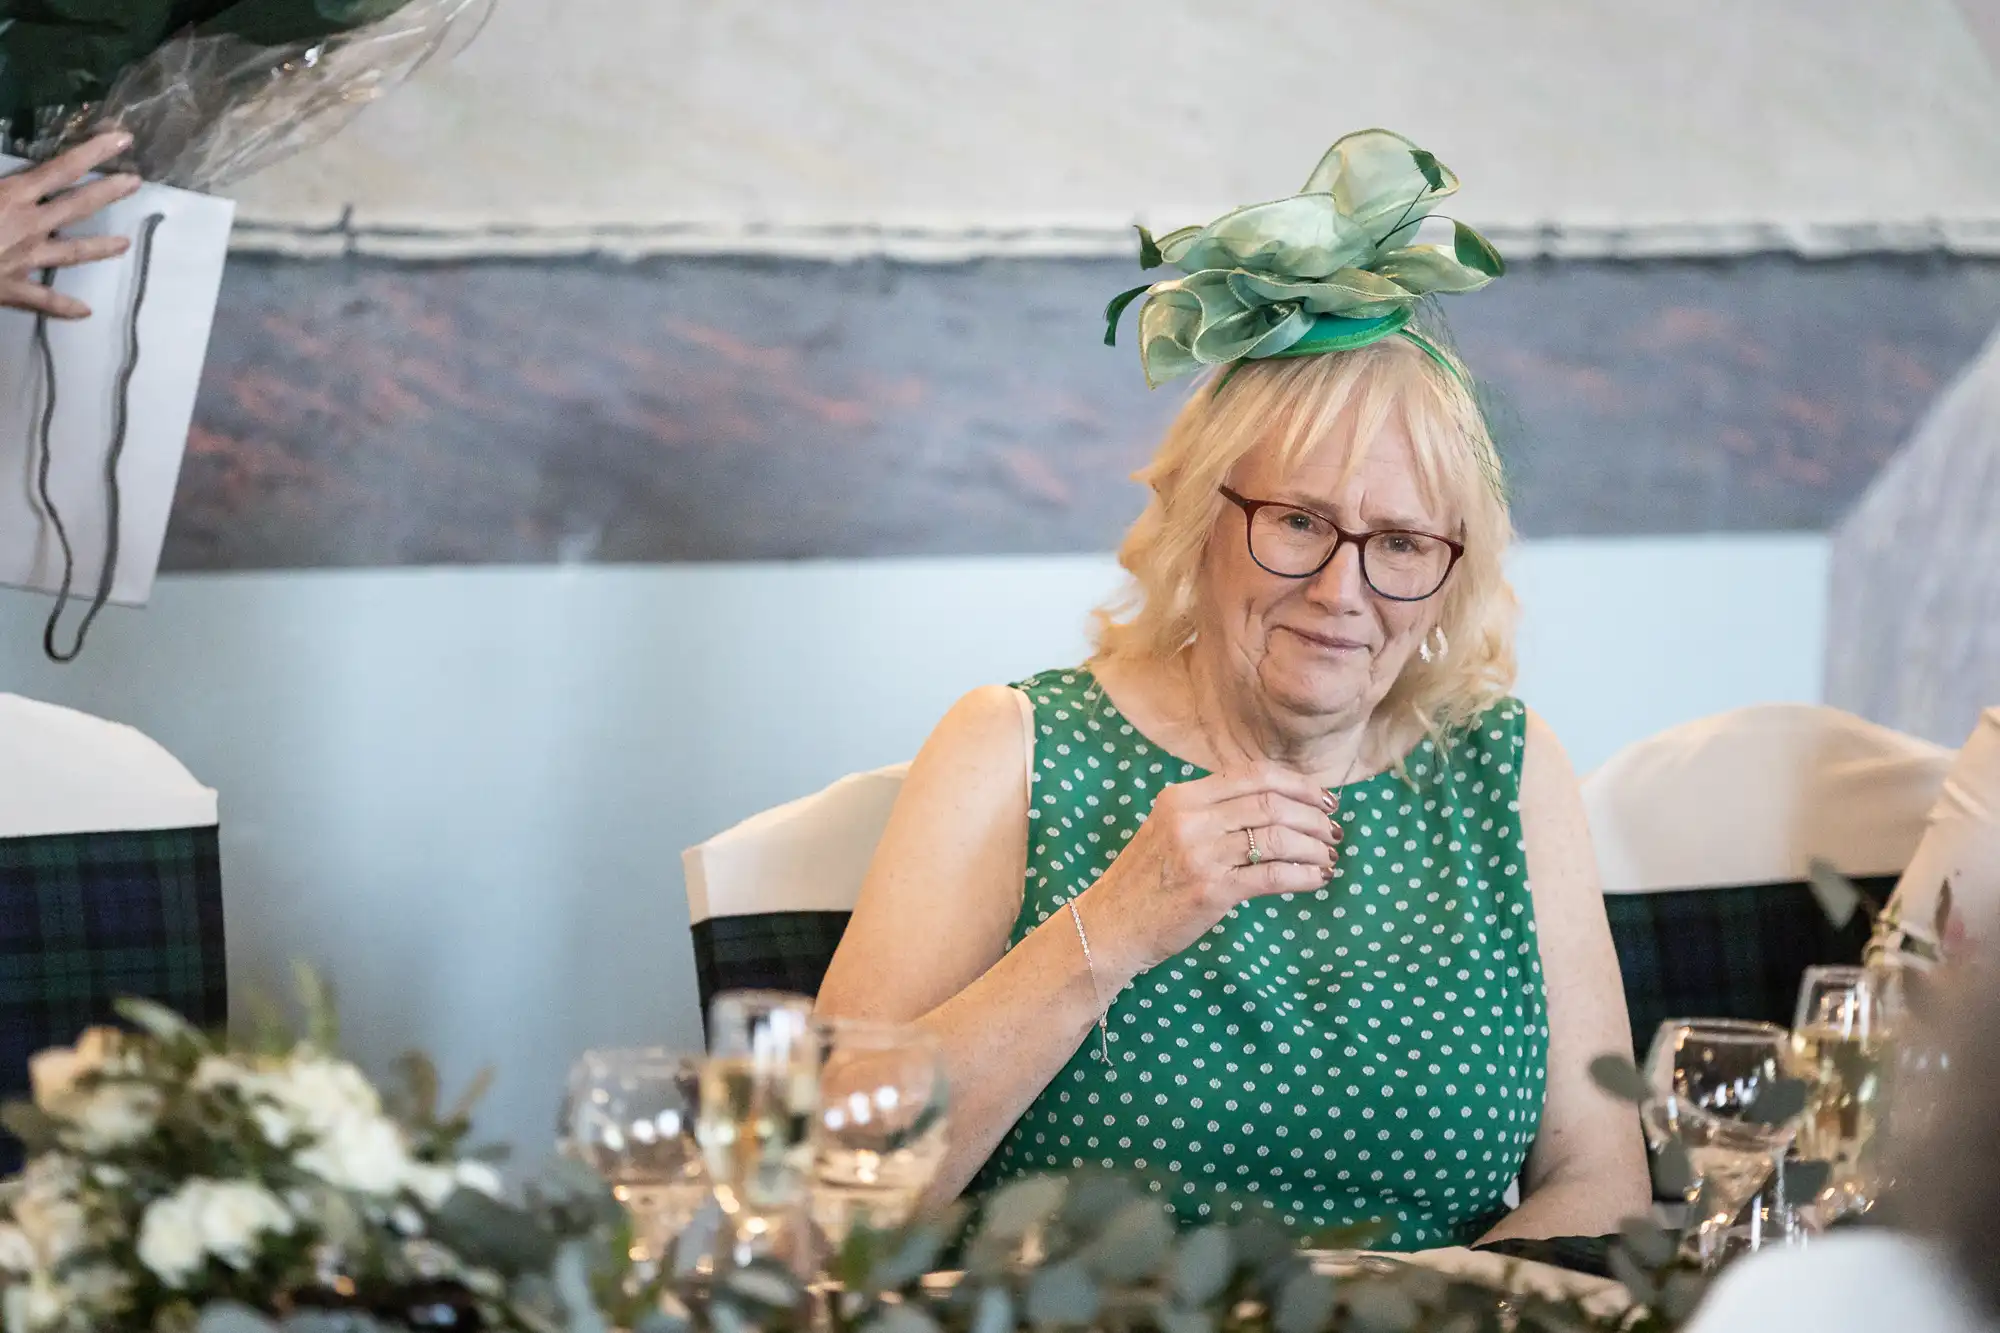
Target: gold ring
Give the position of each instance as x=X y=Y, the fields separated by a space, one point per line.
x=1255 y=855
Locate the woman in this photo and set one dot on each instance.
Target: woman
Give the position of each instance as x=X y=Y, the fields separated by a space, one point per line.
x=1280 y=897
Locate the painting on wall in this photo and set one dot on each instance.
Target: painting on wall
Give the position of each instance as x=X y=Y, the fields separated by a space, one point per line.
x=371 y=412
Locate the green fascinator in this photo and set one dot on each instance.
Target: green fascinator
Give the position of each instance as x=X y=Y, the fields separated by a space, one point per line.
x=1332 y=268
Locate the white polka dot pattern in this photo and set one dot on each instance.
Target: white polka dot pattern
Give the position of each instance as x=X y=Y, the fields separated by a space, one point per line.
x=1375 y=1051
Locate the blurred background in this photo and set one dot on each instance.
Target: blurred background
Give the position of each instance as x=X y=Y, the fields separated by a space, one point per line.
x=672 y=405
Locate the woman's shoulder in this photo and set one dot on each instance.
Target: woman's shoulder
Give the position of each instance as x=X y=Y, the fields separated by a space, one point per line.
x=1500 y=728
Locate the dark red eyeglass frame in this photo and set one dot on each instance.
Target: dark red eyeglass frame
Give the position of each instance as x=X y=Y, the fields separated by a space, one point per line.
x=1341 y=537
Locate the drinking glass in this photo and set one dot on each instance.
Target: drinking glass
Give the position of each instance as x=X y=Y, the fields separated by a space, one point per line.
x=1706 y=1074
x=629 y=1115
x=759 y=1091
x=879 y=1137
x=1839 y=1039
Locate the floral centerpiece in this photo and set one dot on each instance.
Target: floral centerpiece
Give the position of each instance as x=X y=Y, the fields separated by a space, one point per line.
x=170 y=1172
x=180 y=1183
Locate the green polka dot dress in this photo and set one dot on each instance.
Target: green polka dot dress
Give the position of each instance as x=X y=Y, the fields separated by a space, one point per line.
x=1373 y=1052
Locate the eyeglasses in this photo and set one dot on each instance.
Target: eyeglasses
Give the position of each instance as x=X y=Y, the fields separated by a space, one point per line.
x=1296 y=543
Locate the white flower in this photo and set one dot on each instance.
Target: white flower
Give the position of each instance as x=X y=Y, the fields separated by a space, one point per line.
x=219 y=1071
x=433 y=1185
x=46 y=1210
x=364 y=1153
x=170 y=1240
x=17 y=1252
x=54 y=1073
x=100 y=1288
x=112 y=1115
x=220 y=1218
x=36 y=1304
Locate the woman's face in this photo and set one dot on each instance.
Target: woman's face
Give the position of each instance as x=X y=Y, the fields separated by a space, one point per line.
x=1326 y=647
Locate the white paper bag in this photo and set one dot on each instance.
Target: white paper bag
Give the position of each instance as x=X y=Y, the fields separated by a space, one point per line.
x=184 y=273
x=1961 y=845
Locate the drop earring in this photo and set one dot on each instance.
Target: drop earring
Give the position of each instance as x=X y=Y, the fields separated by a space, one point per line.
x=1430 y=654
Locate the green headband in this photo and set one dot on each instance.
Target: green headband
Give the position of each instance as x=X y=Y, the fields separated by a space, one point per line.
x=1330 y=269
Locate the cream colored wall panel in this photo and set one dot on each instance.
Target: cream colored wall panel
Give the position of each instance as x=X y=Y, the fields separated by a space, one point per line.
x=1050 y=124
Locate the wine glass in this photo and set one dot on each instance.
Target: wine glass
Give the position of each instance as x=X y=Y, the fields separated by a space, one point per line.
x=879 y=1137
x=759 y=1091
x=1838 y=1042
x=629 y=1115
x=1706 y=1075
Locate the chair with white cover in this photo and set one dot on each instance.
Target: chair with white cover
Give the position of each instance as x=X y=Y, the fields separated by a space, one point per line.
x=769 y=898
x=110 y=882
x=1706 y=834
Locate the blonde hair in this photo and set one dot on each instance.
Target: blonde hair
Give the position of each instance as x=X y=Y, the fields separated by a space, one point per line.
x=1294 y=404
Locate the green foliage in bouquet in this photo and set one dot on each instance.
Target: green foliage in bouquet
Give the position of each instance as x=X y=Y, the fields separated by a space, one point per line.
x=1102 y=1253
x=173 y=1175
x=68 y=53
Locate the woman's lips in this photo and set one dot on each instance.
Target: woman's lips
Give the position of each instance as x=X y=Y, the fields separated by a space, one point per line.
x=1327 y=643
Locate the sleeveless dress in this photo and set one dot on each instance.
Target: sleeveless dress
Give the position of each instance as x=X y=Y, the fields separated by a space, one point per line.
x=1373 y=1053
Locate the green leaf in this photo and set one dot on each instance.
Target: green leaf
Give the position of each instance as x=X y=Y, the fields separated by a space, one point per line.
x=1673 y=1169
x=493 y=1234
x=1680 y=1294
x=913 y=1256
x=1149 y=250
x=1202 y=1265
x=1023 y=1206
x=855 y=1260
x=1062 y=1295
x=1258 y=1243
x=1631 y=1276
x=1777 y=1101
x=1379 y=1306
x=1115 y=310
x=1135 y=1243
x=34 y=1127
x=1475 y=251
x=1621 y=1078
x=475 y=1091
x=1433 y=173
x=420 y=1079
x=1305 y=1304
x=316 y=998
x=572 y=1279
x=900 y=1319
x=1835 y=893
x=1650 y=1243
x=1095 y=1199
x=993 y=1312
x=764 y=1283
x=230 y=1317
x=1186 y=1321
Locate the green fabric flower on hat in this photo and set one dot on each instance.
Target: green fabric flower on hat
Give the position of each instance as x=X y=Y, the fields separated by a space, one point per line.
x=1333 y=267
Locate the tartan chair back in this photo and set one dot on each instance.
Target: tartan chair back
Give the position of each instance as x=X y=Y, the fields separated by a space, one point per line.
x=769 y=898
x=89 y=916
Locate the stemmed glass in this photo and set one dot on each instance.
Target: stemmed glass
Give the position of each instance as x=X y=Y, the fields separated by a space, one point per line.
x=759 y=1093
x=1706 y=1076
x=1838 y=1039
x=629 y=1115
x=879 y=1137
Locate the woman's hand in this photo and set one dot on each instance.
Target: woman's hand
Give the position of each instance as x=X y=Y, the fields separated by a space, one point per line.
x=38 y=202
x=1191 y=862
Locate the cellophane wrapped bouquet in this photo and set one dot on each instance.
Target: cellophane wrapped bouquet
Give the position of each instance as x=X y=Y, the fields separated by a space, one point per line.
x=210 y=90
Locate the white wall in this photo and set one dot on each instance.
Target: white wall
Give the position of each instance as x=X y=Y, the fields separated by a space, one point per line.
x=676 y=123
x=464 y=792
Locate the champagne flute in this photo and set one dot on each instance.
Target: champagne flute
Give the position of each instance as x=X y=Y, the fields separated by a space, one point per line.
x=1706 y=1075
x=629 y=1115
x=879 y=1137
x=1838 y=1041
x=759 y=1091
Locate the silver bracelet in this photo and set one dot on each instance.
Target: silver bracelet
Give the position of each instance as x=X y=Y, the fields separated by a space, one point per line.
x=1096 y=991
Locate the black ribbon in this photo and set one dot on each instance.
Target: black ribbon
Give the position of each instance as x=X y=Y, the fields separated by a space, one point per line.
x=121 y=417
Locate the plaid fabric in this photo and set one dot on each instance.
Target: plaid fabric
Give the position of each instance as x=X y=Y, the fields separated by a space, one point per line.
x=1726 y=953
x=87 y=918
x=766 y=950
